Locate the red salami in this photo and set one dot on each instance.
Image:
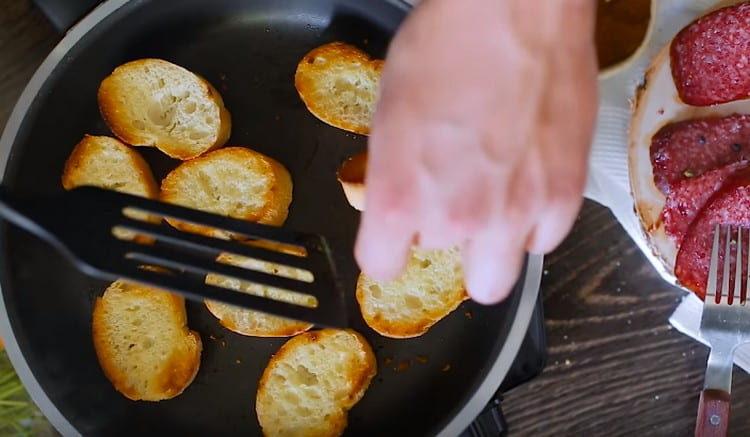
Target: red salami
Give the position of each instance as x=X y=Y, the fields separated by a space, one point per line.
x=688 y=197
x=710 y=58
x=687 y=149
x=728 y=206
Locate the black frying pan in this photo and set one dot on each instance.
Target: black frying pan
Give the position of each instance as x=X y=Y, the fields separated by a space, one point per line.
x=249 y=50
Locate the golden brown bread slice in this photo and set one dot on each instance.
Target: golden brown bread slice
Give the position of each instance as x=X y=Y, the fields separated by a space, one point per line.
x=248 y=322
x=107 y=163
x=152 y=102
x=233 y=181
x=429 y=289
x=339 y=85
x=143 y=343
x=312 y=382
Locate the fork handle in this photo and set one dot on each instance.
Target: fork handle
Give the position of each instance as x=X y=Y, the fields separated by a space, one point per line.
x=713 y=414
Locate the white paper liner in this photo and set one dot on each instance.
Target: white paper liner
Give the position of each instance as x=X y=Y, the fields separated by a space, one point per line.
x=608 y=182
x=687 y=318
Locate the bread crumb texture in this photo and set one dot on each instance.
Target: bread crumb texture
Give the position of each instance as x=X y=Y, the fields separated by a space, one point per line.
x=312 y=382
x=152 y=102
x=339 y=84
x=143 y=343
x=105 y=162
x=430 y=288
x=233 y=181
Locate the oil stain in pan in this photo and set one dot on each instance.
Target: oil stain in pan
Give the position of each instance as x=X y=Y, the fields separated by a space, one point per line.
x=402 y=366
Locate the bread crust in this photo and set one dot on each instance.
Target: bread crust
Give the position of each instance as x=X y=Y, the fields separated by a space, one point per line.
x=310 y=75
x=276 y=200
x=84 y=154
x=111 y=100
x=360 y=376
x=179 y=369
x=403 y=329
x=225 y=117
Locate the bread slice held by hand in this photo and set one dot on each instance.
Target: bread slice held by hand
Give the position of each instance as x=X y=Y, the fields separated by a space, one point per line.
x=143 y=343
x=312 y=382
x=152 y=102
x=430 y=288
x=105 y=162
x=255 y=323
x=339 y=84
x=233 y=181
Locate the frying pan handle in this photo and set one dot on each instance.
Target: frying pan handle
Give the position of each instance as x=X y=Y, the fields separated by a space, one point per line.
x=490 y=422
x=63 y=14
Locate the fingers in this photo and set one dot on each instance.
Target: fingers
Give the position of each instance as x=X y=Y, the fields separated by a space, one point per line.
x=453 y=190
x=565 y=130
x=389 y=221
x=493 y=258
x=556 y=220
x=492 y=262
x=432 y=174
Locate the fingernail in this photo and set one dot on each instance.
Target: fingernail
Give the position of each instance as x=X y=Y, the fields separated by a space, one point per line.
x=376 y=258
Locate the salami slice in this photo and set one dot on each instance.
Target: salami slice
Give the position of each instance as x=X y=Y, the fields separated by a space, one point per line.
x=710 y=58
x=688 y=197
x=728 y=206
x=687 y=149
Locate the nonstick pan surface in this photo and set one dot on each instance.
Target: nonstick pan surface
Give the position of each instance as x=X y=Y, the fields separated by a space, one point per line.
x=249 y=51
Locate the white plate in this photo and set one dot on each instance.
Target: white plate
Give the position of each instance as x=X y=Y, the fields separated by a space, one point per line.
x=637 y=98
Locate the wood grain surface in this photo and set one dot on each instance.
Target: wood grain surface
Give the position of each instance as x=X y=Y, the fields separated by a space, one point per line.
x=615 y=367
x=26 y=37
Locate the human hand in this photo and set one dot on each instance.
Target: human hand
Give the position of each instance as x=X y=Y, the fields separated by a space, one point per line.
x=481 y=136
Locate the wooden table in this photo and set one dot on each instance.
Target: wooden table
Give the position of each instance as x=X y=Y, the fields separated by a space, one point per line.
x=615 y=365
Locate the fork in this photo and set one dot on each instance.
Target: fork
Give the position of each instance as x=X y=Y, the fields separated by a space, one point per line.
x=725 y=324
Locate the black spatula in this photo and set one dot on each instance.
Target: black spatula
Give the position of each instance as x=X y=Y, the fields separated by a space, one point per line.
x=110 y=235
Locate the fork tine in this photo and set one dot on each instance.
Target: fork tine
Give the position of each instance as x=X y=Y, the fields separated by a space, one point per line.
x=714 y=266
x=727 y=262
x=738 y=270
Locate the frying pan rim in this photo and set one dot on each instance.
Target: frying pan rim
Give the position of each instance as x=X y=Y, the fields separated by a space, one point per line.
x=511 y=346
x=455 y=426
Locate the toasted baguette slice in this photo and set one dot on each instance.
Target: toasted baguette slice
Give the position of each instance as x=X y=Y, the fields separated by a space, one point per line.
x=143 y=343
x=339 y=85
x=351 y=176
x=248 y=322
x=107 y=163
x=233 y=181
x=429 y=289
x=312 y=382
x=151 y=102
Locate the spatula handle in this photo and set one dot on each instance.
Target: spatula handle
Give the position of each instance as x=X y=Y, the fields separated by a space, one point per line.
x=713 y=414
